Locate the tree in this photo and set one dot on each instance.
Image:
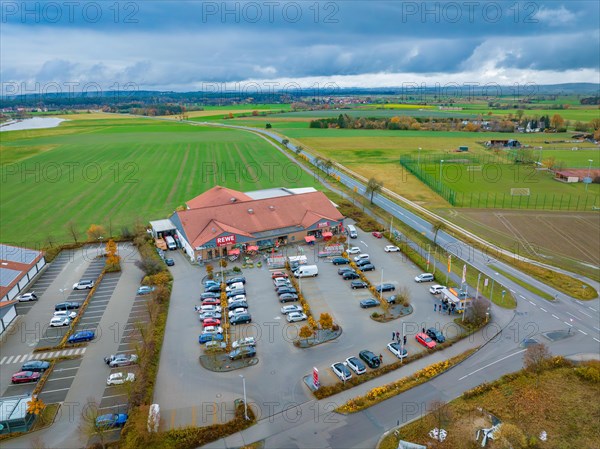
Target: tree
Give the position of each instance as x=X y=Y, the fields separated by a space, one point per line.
x=312 y=323
x=520 y=114
x=299 y=149
x=326 y=321
x=557 y=121
x=305 y=332
x=436 y=227
x=374 y=186
x=268 y=126
x=95 y=231
x=111 y=248
x=327 y=165
x=149 y=265
x=536 y=358
x=285 y=142
x=88 y=427
x=441 y=413
x=35 y=406
x=73 y=230
x=477 y=313
x=595 y=124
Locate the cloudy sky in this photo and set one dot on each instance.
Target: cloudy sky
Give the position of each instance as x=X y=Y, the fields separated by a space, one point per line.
x=191 y=45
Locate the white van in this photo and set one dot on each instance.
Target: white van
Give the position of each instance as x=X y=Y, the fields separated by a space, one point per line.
x=351 y=230
x=306 y=271
x=361 y=257
x=424 y=277
x=170 y=242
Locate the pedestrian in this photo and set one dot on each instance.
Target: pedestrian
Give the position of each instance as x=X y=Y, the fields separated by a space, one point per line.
x=423 y=330
x=435 y=307
x=405 y=340
x=398 y=336
x=393 y=335
x=380 y=358
x=449 y=310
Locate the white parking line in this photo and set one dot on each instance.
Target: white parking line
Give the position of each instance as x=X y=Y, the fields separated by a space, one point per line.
x=71 y=352
x=543 y=310
x=112 y=406
x=523 y=297
x=586 y=314
x=54 y=391
x=591 y=308
x=114 y=395
x=584 y=333
x=3 y=359
x=60 y=378
x=532 y=303
x=10 y=359
x=570 y=325
x=493 y=363
x=596 y=339
x=597 y=328
x=555 y=317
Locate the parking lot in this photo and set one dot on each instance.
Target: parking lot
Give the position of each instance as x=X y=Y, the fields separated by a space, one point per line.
x=189 y=394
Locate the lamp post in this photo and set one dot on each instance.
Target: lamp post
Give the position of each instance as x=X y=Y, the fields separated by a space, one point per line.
x=245 y=401
x=441 y=165
x=419 y=157
x=588 y=174
x=381 y=289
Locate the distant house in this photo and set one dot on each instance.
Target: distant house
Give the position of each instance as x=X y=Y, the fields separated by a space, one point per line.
x=512 y=143
x=18 y=267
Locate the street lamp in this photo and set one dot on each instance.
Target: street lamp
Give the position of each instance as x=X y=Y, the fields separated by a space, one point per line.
x=245 y=401
x=419 y=157
x=441 y=164
x=588 y=175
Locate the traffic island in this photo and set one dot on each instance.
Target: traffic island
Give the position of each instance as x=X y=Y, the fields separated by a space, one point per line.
x=394 y=312
x=319 y=337
x=221 y=363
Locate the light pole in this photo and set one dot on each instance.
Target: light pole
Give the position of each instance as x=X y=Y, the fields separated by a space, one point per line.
x=588 y=175
x=402 y=345
x=441 y=165
x=63 y=290
x=419 y=157
x=245 y=401
x=381 y=288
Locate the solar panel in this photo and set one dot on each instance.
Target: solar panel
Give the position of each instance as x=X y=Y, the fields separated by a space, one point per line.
x=17 y=254
x=7 y=276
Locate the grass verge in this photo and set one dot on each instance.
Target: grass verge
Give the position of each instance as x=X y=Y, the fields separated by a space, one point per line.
x=525 y=285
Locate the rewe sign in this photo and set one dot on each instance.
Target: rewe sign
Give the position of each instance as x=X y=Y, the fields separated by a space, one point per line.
x=226 y=240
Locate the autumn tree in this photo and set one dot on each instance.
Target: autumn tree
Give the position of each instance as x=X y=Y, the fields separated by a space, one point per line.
x=312 y=323
x=536 y=358
x=305 y=332
x=374 y=186
x=476 y=314
x=557 y=121
x=35 y=406
x=595 y=124
x=95 y=232
x=326 y=321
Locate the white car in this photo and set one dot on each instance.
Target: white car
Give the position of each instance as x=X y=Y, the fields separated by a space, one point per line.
x=213 y=330
x=27 y=297
x=58 y=321
x=83 y=284
x=341 y=371
x=209 y=308
x=63 y=313
x=436 y=289
x=292 y=308
x=281 y=283
x=353 y=250
x=355 y=365
x=234 y=286
x=391 y=249
x=394 y=347
x=238 y=311
x=120 y=378
x=296 y=316
x=361 y=257
x=248 y=341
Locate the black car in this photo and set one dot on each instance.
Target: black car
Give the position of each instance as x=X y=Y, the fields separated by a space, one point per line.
x=213 y=289
x=38 y=366
x=362 y=262
x=340 y=261
x=350 y=275
x=436 y=335
x=367 y=267
x=392 y=299
x=170 y=262
x=288 y=297
x=67 y=305
x=369 y=358
x=237 y=291
x=281 y=290
x=207 y=295
x=366 y=303
x=242 y=318
x=237 y=305
x=358 y=284
x=385 y=288
x=345 y=270
x=241 y=279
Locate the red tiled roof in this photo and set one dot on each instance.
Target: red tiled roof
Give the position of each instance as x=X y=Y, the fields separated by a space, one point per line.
x=217 y=196
x=266 y=214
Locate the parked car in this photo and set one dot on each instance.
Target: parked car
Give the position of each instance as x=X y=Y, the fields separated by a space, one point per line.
x=169 y=262
x=350 y=275
x=341 y=371
x=345 y=270
x=210 y=308
x=120 y=360
x=363 y=262
x=424 y=277
x=425 y=340
x=111 y=420
x=204 y=338
x=210 y=282
x=25 y=376
x=248 y=341
x=361 y=257
x=288 y=297
x=367 y=267
x=236 y=292
x=67 y=305
x=211 y=301
x=234 y=286
x=83 y=284
x=395 y=348
x=207 y=295
x=25 y=297
x=68 y=313
x=58 y=321
x=385 y=288
x=281 y=290
x=235 y=312
x=436 y=289
x=391 y=249
x=206 y=315
x=145 y=289
x=279 y=274
x=369 y=358
x=81 y=336
x=282 y=283
x=242 y=353
x=356 y=365
x=119 y=378
x=213 y=289
x=213 y=330
x=291 y=308
x=367 y=303
x=237 y=305
x=296 y=316
x=235 y=280
x=358 y=284
x=392 y=299
x=340 y=261
x=38 y=366
x=436 y=335
x=353 y=250
x=211 y=322
x=242 y=318
x=377 y=234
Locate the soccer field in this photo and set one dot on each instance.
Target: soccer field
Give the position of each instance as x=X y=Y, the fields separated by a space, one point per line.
x=114 y=171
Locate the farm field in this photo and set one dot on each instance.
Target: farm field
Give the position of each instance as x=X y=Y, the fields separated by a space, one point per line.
x=379 y=112
x=86 y=171
x=583 y=114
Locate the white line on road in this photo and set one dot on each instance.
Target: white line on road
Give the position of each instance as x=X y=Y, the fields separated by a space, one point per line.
x=53 y=391
x=531 y=302
x=584 y=333
x=570 y=325
x=112 y=406
x=596 y=339
x=573 y=315
x=555 y=317
x=3 y=359
x=512 y=291
x=586 y=314
x=493 y=363
x=597 y=328
x=543 y=310
x=591 y=308
x=521 y=296
x=114 y=395
x=60 y=378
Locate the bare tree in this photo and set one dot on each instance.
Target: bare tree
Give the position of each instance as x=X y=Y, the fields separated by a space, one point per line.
x=73 y=230
x=374 y=186
x=477 y=313
x=436 y=227
x=89 y=428
x=536 y=358
x=441 y=413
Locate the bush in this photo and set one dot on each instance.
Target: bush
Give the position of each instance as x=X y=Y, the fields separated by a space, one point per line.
x=149 y=265
x=237 y=269
x=590 y=372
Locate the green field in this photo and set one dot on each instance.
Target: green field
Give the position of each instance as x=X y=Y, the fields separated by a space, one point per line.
x=412 y=112
x=115 y=171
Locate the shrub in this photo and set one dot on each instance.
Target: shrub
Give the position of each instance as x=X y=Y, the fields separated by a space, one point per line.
x=237 y=269
x=149 y=265
x=590 y=372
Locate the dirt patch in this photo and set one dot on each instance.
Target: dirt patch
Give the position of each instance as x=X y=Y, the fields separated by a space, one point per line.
x=395 y=311
x=221 y=363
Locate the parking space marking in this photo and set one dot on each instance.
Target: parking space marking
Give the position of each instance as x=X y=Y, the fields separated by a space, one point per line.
x=584 y=333
x=596 y=339
x=114 y=396
x=54 y=391
x=555 y=317
x=112 y=406
x=10 y=359
x=3 y=359
x=60 y=378
x=585 y=314
x=543 y=310
x=570 y=325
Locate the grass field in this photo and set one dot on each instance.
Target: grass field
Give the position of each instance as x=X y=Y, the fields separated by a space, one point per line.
x=413 y=112
x=114 y=171
x=583 y=114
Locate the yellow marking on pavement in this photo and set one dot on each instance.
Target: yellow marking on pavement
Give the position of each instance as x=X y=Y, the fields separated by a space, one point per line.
x=172 y=419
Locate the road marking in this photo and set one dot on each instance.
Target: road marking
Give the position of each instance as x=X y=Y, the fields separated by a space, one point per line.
x=521 y=296
x=597 y=328
x=493 y=363
x=543 y=310
x=586 y=314
x=570 y=325
x=3 y=359
x=60 y=378
x=54 y=391
x=512 y=291
x=591 y=308
x=573 y=315
x=596 y=339
x=531 y=302
x=584 y=333
x=114 y=395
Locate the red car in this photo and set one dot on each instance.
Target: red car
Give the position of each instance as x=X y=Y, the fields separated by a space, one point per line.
x=278 y=274
x=425 y=340
x=25 y=376
x=211 y=322
x=211 y=302
x=377 y=234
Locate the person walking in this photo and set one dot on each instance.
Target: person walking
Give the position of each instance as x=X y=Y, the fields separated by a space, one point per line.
x=393 y=335
x=423 y=330
x=380 y=358
x=398 y=336
x=435 y=307
x=405 y=340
